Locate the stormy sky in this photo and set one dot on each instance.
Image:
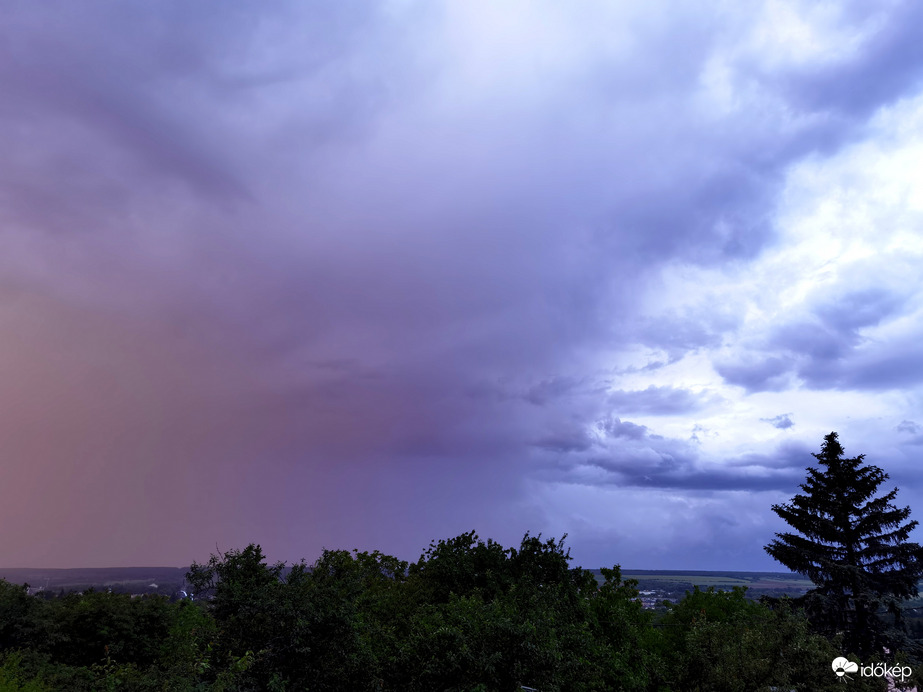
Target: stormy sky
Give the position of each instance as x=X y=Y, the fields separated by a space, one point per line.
x=363 y=275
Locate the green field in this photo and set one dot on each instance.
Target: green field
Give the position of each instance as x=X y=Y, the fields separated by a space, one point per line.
x=722 y=580
x=673 y=584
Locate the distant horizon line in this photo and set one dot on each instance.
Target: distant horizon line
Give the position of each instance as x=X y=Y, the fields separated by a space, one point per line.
x=623 y=570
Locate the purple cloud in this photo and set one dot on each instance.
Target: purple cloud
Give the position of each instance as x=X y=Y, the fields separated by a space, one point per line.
x=351 y=276
x=658 y=400
x=783 y=421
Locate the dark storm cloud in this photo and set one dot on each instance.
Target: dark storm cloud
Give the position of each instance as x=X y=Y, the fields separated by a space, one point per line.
x=615 y=428
x=783 y=421
x=909 y=426
x=552 y=389
x=325 y=257
x=888 y=65
x=120 y=107
x=87 y=80
x=669 y=472
x=573 y=440
x=631 y=455
x=788 y=456
x=913 y=430
x=678 y=333
x=894 y=365
x=658 y=400
x=720 y=218
x=878 y=366
x=816 y=342
x=755 y=373
x=856 y=309
x=833 y=333
x=827 y=350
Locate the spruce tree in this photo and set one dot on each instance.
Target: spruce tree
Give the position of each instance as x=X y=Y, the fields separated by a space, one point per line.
x=853 y=545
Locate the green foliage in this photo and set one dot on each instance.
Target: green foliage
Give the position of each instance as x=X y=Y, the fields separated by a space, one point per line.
x=468 y=615
x=100 y=641
x=721 y=641
x=497 y=618
x=23 y=618
x=321 y=627
x=91 y=626
x=462 y=566
x=854 y=545
x=13 y=678
x=183 y=652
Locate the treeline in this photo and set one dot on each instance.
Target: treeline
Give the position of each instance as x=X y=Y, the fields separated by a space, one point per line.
x=468 y=615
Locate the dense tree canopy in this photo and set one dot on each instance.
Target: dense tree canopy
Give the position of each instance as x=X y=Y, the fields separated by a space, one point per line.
x=469 y=615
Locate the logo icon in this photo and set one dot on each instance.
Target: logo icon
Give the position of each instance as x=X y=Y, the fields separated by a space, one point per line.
x=841 y=666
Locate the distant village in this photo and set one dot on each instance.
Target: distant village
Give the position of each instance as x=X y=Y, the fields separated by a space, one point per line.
x=135 y=581
x=655 y=587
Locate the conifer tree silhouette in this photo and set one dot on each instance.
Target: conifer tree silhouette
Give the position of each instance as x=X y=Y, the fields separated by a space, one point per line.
x=854 y=546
